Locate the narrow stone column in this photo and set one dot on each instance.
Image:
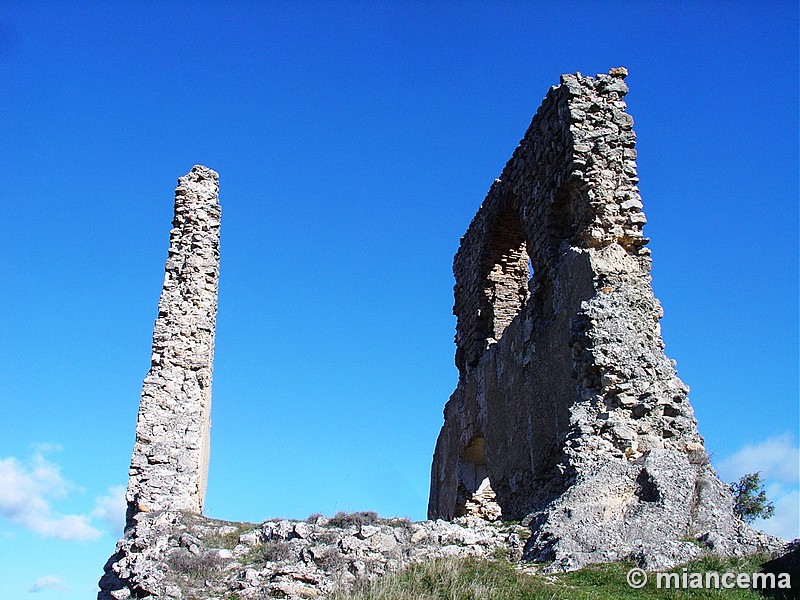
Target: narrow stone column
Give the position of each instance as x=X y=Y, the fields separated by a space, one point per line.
x=169 y=465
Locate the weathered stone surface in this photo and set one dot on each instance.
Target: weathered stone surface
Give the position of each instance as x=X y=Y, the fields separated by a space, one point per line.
x=567 y=413
x=289 y=559
x=170 y=457
x=566 y=402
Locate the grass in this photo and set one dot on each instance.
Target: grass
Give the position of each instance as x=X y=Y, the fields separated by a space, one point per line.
x=480 y=579
x=230 y=538
x=194 y=566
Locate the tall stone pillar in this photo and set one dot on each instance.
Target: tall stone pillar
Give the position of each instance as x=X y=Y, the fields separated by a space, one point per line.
x=169 y=465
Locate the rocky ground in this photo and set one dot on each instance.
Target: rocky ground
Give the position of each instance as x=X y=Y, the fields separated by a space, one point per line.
x=178 y=555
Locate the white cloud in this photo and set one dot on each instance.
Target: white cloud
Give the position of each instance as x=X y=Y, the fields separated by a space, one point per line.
x=785 y=523
x=110 y=509
x=777 y=458
x=49 y=582
x=26 y=493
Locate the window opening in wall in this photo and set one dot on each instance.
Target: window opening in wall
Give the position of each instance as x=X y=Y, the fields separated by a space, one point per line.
x=493 y=287
x=475 y=495
x=508 y=272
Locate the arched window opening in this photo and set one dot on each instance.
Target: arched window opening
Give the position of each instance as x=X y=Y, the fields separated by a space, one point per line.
x=493 y=274
x=508 y=270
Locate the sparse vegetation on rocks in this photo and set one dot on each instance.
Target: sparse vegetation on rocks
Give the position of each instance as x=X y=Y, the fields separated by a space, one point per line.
x=568 y=415
x=393 y=559
x=199 y=565
x=292 y=559
x=357 y=519
x=273 y=551
x=473 y=578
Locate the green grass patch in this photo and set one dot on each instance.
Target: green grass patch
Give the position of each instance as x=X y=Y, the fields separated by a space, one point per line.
x=229 y=538
x=481 y=579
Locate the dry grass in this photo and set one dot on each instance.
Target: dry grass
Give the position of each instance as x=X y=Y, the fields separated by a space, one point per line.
x=357 y=519
x=480 y=579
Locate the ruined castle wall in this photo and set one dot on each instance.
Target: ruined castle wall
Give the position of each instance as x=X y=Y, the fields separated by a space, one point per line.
x=170 y=457
x=563 y=381
x=549 y=205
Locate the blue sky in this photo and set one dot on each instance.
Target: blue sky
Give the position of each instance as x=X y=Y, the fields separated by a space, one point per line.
x=354 y=143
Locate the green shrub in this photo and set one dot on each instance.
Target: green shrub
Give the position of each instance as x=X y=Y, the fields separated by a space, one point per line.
x=749 y=498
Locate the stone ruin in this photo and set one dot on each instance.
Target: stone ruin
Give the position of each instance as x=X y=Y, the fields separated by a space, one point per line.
x=567 y=417
x=169 y=550
x=169 y=465
x=567 y=414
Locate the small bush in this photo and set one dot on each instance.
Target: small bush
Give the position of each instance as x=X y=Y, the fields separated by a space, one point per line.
x=312 y=519
x=330 y=559
x=399 y=522
x=195 y=565
x=327 y=537
x=358 y=519
x=261 y=554
x=276 y=551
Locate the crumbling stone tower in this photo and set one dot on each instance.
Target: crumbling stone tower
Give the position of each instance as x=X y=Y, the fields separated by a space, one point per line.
x=169 y=465
x=567 y=412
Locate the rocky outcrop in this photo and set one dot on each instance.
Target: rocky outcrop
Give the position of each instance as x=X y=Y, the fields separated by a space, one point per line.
x=566 y=402
x=170 y=456
x=178 y=555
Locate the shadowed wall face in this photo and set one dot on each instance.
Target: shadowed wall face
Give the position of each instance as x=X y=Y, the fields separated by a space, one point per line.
x=559 y=231
x=169 y=465
x=567 y=413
